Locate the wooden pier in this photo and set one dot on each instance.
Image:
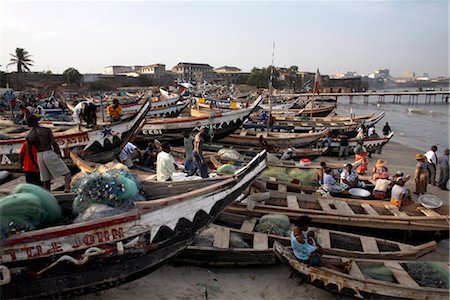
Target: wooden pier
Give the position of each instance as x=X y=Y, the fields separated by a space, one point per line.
x=428 y=97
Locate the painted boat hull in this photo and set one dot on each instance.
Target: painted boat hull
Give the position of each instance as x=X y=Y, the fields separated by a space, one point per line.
x=131 y=244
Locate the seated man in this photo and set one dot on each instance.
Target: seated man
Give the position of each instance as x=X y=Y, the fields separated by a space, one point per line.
x=349 y=178
x=329 y=183
x=129 y=153
x=400 y=195
x=382 y=186
x=287 y=155
x=115 y=111
x=307 y=250
x=165 y=164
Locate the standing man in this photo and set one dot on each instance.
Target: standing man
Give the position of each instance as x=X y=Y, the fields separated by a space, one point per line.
x=49 y=160
x=443 y=171
x=78 y=113
x=343 y=144
x=386 y=129
x=197 y=154
x=432 y=164
x=115 y=111
x=165 y=165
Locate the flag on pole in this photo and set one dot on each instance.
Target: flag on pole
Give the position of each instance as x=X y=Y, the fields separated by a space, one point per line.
x=318 y=82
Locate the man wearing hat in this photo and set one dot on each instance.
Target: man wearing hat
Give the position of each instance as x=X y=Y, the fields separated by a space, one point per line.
x=421 y=175
x=379 y=169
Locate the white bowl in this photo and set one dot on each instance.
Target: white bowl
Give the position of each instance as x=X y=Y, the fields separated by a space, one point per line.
x=358 y=192
x=430 y=201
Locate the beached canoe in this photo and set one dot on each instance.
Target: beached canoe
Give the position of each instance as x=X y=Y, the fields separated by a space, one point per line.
x=100 y=144
x=218 y=125
x=241 y=244
x=95 y=255
x=373 y=145
x=298 y=153
x=275 y=139
x=362 y=214
x=402 y=279
x=318 y=111
x=286 y=124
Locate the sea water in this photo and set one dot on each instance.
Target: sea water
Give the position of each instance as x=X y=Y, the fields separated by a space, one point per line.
x=417 y=125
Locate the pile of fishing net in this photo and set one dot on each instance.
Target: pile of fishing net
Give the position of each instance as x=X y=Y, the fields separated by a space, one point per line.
x=229 y=154
x=429 y=274
x=274 y=224
x=206 y=239
x=226 y=169
x=305 y=176
x=111 y=189
x=28 y=207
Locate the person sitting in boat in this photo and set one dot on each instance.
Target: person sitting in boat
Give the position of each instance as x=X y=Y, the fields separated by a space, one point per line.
x=311 y=252
x=382 y=186
x=288 y=154
x=326 y=142
x=149 y=155
x=374 y=134
x=349 y=178
x=379 y=169
x=264 y=145
x=321 y=172
x=330 y=184
x=115 y=111
x=129 y=153
x=400 y=195
x=165 y=164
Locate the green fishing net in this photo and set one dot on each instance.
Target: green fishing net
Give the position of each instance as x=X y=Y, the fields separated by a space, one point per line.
x=274 y=224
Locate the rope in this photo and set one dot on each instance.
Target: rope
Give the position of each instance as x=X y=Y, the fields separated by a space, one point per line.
x=84 y=258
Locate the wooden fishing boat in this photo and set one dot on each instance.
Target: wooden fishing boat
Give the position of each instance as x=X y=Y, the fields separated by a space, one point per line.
x=373 y=145
x=218 y=125
x=362 y=214
x=89 y=256
x=358 y=283
x=241 y=244
x=311 y=153
x=278 y=139
x=100 y=144
x=157 y=108
x=284 y=124
x=318 y=111
x=209 y=104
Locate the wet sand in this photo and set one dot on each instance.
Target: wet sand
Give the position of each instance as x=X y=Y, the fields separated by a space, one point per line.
x=265 y=282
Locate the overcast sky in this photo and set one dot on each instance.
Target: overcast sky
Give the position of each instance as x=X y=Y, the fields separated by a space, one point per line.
x=330 y=35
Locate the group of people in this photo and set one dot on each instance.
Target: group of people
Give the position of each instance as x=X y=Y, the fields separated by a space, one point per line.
x=157 y=156
x=348 y=178
x=87 y=111
x=427 y=168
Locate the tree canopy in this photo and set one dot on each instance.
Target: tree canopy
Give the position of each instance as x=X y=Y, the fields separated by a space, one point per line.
x=72 y=76
x=22 y=59
x=261 y=77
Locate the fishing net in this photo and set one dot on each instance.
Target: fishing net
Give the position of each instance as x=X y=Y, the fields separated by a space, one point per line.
x=274 y=224
x=236 y=241
x=97 y=211
x=226 y=169
x=429 y=274
x=278 y=173
x=378 y=273
x=306 y=176
x=229 y=154
x=27 y=207
x=115 y=187
x=51 y=211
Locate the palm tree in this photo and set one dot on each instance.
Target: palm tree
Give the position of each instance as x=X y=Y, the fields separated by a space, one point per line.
x=22 y=60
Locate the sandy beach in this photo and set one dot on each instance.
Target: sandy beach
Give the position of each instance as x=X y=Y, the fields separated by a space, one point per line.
x=266 y=282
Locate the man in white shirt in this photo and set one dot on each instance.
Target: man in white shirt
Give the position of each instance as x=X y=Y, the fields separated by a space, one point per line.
x=78 y=111
x=432 y=163
x=165 y=165
x=128 y=154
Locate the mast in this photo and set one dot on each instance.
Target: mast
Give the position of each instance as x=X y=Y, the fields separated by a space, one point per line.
x=271 y=86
